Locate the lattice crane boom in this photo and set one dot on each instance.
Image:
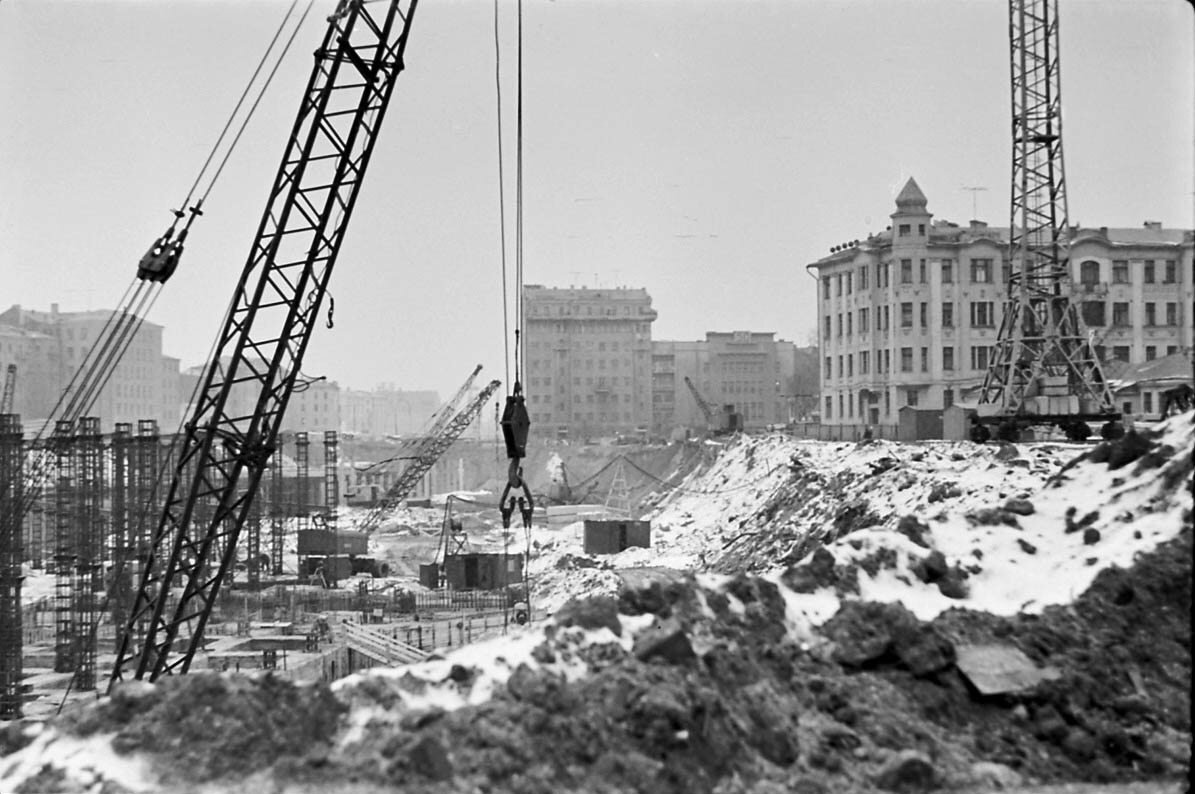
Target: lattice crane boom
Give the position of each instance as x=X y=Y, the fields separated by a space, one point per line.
x=10 y=387
x=1044 y=369
x=706 y=410
x=430 y=451
x=265 y=334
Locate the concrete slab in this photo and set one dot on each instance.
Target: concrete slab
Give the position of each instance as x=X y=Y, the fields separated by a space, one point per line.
x=1001 y=669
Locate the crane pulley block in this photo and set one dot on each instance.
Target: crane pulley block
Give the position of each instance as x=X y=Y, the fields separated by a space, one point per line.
x=516 y=424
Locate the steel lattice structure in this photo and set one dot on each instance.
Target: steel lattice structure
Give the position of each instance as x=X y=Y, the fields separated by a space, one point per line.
x=260 y=348
x=425 y=457
x=1042 y=349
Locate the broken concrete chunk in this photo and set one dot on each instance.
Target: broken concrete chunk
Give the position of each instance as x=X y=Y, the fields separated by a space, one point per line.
x=1000 y=669
x=1022 y=507
x=909 y=771
x=666 y=640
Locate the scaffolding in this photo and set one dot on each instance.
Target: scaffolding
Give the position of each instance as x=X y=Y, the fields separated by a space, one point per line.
x=277 y=514
x=11 y=476
x=65 y=523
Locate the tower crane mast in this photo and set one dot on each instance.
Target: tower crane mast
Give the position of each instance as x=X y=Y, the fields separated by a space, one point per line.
x=10 y=388
x=1044 y=369
x=224 y=450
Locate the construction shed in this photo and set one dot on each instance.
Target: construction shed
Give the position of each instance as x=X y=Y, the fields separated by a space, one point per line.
x=323 y=542
x=480 y=571
x=610 y=536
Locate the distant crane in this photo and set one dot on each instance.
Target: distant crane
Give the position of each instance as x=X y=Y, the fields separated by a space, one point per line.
x=425 y=457
x=1044 y=370
x=10 y=388
x=718 y=421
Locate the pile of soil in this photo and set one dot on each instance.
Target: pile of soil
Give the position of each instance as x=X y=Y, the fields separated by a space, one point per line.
x=719 y=697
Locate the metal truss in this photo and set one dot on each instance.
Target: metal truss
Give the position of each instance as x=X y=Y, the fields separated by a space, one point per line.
x=1042 y=349
x=260 y=349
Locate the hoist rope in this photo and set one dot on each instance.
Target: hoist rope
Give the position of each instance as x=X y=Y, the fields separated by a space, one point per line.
x=501 y=200
x=245 y=121
x=519 y=200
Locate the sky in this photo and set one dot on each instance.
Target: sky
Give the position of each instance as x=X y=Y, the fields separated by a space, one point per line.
x=704 y=150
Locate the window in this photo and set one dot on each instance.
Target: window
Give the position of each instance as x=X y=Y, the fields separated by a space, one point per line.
x=1005 y=272
x=925 y=359
x=827 y=333
x=906 y=271
x=848 y=283
x=840 y=366
x=838 y=284
x=1094 y=313
x=849 y=319
x=979 y=356
x=947 y=271
x=921 y=229
x=864 y=362
x=1151 y=313
x=1151 y=352
x=1171 y=349
x=981 y=271
x=850 y=365
x=1120 y=271
x=841 y=409
x=1149 y=271
x=1120 y=314
x=904 y=230
x=947 y=315
x=887 y=361
x=863 y=319
x=887 y=317
x=887 y=402
x=982 y=314
x=911 y=397
x=1171 y=314
x=863 y=277
x=906 y=315
x=1089 y=274
x=906 y=359
x=1147 y=402
x=948 y=359
x=838 y=324
x=1171 y=272
x=924 y=315
x=1120 y=352
x=921 y=275
x=829 y=407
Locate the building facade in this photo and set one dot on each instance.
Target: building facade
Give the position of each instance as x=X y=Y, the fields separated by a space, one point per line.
x=587 y=357
x=910 y=316
x=386 y=411
x=768 y=381
x=49 y=347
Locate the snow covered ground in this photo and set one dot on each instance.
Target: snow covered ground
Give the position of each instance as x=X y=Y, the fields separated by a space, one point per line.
x=1019 y=528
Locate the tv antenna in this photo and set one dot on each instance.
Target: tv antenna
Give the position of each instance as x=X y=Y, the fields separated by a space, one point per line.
x=975 y=191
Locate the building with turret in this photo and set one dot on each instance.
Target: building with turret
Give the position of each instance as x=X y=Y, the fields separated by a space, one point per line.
x=911 y=315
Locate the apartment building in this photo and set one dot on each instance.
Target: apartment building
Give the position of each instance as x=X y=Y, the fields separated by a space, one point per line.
x=910 y=315
x=49 y=347
x=768 y=380
x=587 y=359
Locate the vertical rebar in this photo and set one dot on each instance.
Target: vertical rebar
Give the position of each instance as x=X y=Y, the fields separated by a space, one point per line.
x=65 y=544
x=11 y=476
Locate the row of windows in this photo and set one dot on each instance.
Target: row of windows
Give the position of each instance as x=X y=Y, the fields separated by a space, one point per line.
x=1095 y=314
x=983 y=315
x=982 y=271
x=572 y=309
x=908 y=361
x=1089 y=272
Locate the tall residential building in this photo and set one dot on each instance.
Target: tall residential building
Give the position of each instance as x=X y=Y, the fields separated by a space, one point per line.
x=767 y=380
x=910 y=315
x=53 y=345
x=587 y=359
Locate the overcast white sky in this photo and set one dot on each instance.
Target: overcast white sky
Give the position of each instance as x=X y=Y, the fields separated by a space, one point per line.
x=705 y=150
